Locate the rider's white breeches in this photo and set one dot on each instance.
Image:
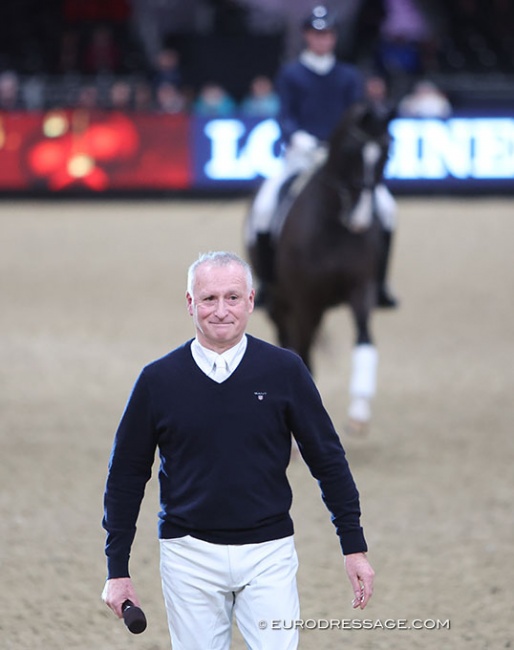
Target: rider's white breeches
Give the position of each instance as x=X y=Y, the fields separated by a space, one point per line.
x=296 y=160
x=266 y=200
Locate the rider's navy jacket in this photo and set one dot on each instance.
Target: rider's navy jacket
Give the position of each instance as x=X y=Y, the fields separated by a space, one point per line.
x=224 y=449
x=315 y=102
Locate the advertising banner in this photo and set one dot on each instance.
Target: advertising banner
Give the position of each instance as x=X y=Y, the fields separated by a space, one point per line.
x=100 y=151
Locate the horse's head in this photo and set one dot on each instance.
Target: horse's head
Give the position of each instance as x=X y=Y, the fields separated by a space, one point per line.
x=357 y=156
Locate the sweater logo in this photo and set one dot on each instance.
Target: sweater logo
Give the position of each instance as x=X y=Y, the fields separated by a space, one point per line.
x=260 y=396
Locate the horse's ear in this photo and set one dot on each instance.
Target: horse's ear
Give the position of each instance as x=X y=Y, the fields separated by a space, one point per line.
x=361 y=111
x=370 y=117
x=374 y=116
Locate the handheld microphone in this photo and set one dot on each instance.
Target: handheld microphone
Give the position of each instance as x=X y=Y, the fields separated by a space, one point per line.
x=133 y=617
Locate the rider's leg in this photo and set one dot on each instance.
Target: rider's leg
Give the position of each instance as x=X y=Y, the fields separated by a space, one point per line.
x=263 y=210
x=265 y=251
x=385 y=297
x=265 y=203
x=386 y=209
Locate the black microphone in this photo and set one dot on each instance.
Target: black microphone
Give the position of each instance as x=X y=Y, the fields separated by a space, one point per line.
x=133 y=617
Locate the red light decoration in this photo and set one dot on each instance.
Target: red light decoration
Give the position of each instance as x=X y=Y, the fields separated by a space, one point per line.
x=80 y=156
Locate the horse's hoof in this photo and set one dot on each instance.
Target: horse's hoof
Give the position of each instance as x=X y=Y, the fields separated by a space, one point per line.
x=356 y=428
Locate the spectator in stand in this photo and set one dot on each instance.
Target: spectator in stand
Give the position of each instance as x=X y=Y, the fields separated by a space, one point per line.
x=425 y=100
x=69 y=52
x=120 y=96
x=376 y=92
x=9 y=91
x=262 y=100
x=169 y=99
x=408 y=37
x=153 y=21
x=102 y=53
x=143 y=97
x=33 y=93
x=214 y=101
x=88 y=97
x=167 y=68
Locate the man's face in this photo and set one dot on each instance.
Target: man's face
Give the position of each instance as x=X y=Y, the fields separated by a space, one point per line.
x=220 y=304
x=320 y=42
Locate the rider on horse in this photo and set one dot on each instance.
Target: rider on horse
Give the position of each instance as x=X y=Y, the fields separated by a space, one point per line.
x=314 y=92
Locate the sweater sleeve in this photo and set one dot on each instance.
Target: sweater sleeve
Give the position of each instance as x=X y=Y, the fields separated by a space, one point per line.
x=323 y=453
x=287 y=116
x=130 y=468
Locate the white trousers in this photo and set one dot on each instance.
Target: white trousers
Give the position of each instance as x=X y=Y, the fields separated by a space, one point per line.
x=265 y=202
x=205 y=584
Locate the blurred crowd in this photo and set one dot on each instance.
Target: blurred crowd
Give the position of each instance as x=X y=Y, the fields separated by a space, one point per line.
x=129 y=55
x=135 y=93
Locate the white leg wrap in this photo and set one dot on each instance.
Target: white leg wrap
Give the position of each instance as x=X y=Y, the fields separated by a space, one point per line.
x=364 y=370
x=363 y=381
x=359 y=410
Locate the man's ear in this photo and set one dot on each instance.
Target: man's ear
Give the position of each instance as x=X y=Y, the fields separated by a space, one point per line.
x=189 y=299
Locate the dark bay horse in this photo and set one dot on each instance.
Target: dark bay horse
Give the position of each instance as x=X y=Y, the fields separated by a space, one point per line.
x=328 y=249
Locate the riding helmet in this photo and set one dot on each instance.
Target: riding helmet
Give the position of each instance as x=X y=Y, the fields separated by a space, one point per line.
x=320 y=19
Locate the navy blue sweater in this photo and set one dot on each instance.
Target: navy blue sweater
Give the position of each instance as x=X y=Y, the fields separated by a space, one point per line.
x=224 y=449
x=315 y=102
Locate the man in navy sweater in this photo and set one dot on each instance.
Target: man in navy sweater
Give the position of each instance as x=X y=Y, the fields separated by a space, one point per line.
x=221 y=410
x=315 y=90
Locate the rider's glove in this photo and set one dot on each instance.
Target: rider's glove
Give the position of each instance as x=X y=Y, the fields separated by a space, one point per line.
x=303 y=142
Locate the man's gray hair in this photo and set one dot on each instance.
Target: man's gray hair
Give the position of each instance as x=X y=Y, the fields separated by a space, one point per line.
x=218 y=258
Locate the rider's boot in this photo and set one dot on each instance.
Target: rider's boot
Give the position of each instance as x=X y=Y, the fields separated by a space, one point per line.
x=266 y=257
x=385 y=298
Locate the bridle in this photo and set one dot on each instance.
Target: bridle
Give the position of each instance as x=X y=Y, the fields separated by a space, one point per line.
x=344 y=187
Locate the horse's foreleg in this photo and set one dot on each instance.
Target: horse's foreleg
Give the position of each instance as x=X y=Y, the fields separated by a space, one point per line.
x=364 y=369
x=361 y=306
x=277 y=312
x=301 y=328
x=362 y=383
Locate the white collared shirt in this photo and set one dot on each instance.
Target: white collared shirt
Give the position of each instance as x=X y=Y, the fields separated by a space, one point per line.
x=319 y=63
x=205 y=358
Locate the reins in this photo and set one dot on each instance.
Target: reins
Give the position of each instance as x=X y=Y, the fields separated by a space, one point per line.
x=342 y=186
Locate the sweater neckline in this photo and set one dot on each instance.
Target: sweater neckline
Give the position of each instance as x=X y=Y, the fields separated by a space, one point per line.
x=241 y=364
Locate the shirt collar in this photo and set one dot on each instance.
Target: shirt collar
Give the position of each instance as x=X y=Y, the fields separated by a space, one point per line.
x=318 y=64
x=205 y=358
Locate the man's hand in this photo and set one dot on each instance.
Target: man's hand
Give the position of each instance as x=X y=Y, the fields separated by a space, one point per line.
x=361 y=576
x=116 y=592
